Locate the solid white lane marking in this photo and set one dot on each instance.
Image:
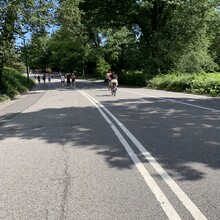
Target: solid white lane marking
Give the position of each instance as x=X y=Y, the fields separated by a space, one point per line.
x=172 y=100
x=190 y=206
x=161 y=198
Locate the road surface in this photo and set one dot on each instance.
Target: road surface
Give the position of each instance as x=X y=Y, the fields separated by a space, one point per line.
x=80 y=153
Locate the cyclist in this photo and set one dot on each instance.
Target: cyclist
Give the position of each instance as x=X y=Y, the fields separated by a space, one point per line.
x=108 y=78
x=114 y=78
x=114 y=83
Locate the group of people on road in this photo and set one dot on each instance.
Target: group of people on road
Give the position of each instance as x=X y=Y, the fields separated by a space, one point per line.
x=70 y=79
x=44 y=78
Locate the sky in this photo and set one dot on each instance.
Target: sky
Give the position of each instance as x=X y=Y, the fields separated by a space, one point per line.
x=20 y=39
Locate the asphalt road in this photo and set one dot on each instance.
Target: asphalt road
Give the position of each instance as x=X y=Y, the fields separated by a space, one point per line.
x=80 y=153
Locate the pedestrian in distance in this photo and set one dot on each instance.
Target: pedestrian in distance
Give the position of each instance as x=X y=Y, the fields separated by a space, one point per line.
x=62 y=78
x=49 y=78
x=44 y=77
x=68 y=80
x=38 y=79
x=73 y=77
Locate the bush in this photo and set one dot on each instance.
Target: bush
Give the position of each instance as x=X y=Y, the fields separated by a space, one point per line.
x=174 y=82
x=3 y=98
x=206 y=84
x=14 y=83
x=135 y=78
x=203 y=83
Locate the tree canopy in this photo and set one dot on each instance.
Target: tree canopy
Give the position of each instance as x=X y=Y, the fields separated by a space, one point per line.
x=17 y=18
x=154 y=36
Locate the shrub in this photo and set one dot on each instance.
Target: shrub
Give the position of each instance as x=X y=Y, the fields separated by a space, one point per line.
x=14 y=83
x=206 y=84
x=3 y=97
x=203 y=83
x=135 y=78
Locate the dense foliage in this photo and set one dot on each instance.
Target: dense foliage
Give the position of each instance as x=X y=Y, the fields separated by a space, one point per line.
x=19 y=17
x=205 y=83
x=14 y=83
x=137 y=39
x=152 y=36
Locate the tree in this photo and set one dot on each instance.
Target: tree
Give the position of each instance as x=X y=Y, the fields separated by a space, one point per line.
x=8 y=13
x=80 y=40
x=38 y=51
x=116 y=47
x=165 y=34
x=213 y=30
x=68 y=50
x=18 y=17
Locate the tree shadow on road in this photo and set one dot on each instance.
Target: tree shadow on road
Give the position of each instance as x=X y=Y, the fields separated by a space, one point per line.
x=175 y=136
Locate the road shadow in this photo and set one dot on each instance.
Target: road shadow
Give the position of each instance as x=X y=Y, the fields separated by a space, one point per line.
x=176 y=135
x=72 y=126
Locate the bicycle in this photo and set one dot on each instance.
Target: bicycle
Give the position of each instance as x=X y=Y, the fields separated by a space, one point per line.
x=113 y=89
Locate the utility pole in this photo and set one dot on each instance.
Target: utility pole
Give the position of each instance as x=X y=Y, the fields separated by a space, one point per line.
x=26 y=62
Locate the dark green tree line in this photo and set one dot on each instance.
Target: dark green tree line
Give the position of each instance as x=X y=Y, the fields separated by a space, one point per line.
x=153 y=36
x=19 y=17
x=170 y=30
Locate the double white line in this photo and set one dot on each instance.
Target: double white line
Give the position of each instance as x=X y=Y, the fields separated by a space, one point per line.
x=161 y=198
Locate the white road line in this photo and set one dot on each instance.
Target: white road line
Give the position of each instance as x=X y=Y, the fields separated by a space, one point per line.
x=190 y=206
x=171 y=100
x=161 y=198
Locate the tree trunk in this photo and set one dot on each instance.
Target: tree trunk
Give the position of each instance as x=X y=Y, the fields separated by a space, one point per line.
x=1 y=72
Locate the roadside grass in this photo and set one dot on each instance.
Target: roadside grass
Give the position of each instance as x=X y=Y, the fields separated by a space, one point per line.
x=203 y=83
x=13 y=83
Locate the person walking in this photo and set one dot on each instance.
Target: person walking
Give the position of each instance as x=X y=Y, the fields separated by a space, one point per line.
x=44 y=77
x=62 y=80
x=73 y=77
x=68 y=80
x=49 y=78
x=38 y=79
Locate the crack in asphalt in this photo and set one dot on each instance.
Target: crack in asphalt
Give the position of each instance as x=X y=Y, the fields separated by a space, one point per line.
x=67 y=185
